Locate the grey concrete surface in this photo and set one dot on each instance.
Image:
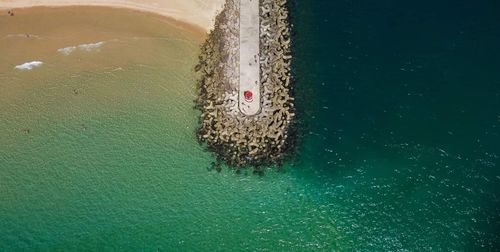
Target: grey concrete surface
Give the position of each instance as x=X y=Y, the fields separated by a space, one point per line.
x=249 y=57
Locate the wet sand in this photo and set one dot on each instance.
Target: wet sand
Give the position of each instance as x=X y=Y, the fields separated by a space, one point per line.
x=38 y=33
x=198 y=12
x=79 y=46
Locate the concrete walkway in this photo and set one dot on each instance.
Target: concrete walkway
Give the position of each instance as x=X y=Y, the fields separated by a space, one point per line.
x=249 y=93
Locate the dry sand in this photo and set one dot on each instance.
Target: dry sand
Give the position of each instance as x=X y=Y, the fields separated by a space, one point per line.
x=197 y=12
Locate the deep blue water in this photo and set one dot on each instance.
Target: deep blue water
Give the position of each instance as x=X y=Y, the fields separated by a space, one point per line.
x=403 y=99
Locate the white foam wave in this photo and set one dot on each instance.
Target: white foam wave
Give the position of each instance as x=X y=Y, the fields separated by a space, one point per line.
x=29 y=65
x=85 y=47
x=90 y=47
x=67 y=50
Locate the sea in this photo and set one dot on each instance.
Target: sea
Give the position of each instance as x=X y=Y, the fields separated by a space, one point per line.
x=398 y=147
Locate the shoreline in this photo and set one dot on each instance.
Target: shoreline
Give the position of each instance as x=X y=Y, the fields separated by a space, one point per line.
x=184 y=25
x=191 y=12
x=49 y=35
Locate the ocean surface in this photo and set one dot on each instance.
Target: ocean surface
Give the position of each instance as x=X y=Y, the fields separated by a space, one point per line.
x=400 y=120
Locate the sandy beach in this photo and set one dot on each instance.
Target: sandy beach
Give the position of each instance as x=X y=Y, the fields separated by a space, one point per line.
x=197 y=12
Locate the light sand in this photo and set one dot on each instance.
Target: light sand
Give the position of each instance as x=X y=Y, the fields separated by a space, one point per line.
x=197 y=12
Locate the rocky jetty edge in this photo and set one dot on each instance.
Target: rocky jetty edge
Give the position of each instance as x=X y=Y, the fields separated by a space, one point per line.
x=266 y=138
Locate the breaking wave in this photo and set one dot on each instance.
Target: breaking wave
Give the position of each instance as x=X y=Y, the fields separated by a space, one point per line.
x=29 y=65
x=85 y=47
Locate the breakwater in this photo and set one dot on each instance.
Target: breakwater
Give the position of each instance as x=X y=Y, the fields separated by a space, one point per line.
x=238 y=139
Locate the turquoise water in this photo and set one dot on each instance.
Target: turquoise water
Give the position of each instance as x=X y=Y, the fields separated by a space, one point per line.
x=400 y=115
